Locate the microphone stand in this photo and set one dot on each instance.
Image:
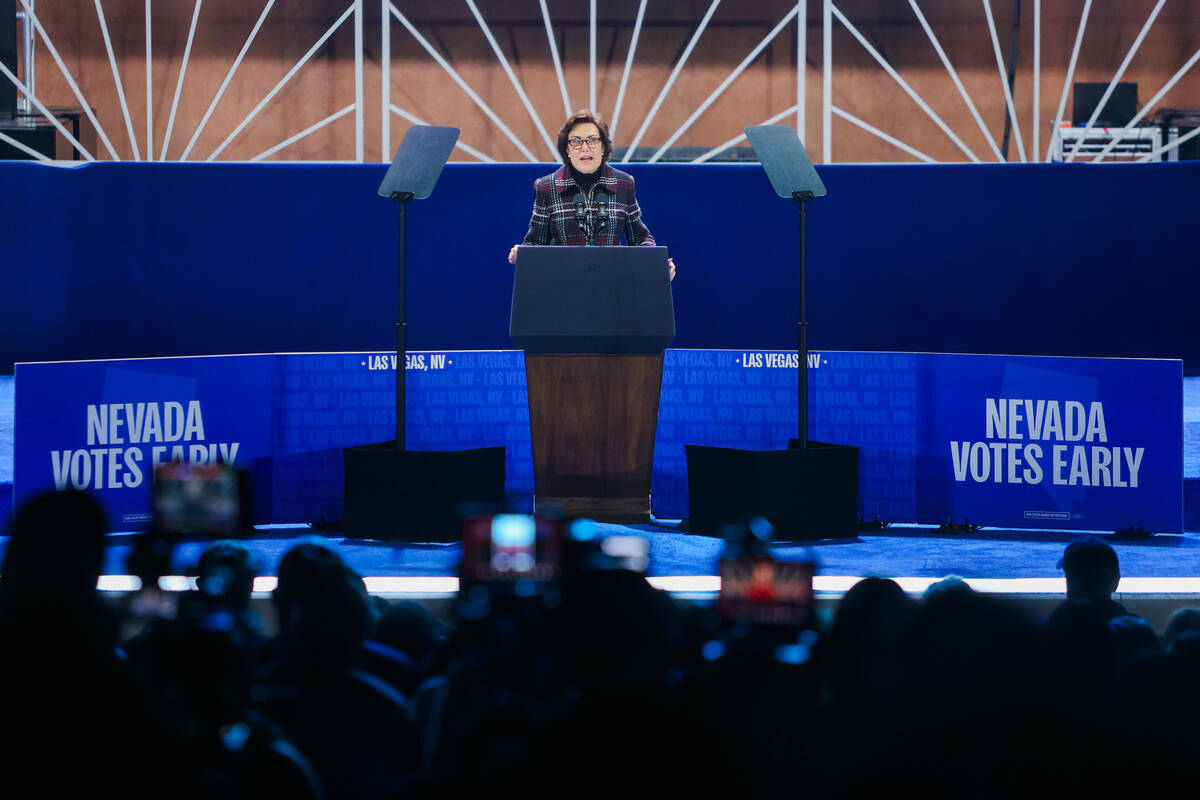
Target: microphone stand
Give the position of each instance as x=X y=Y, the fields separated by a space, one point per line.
x=601 y=212
x=581 y=218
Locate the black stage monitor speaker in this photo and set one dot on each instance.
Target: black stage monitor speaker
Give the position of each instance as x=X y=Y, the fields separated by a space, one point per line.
x=805 y=494
x=8 y=55
x=415 y=495
x=1120 y=108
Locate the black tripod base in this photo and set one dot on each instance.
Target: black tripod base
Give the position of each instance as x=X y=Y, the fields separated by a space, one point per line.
x=416 y=496
x=805 y=494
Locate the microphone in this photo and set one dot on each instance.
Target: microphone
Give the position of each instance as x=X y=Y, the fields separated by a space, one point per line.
x=601 y=210
x=581 y=216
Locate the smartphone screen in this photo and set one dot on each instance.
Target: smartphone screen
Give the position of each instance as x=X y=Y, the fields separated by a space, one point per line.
x=765 y=591
x=505 y=547
x=629 y=552
x=196 y=498
x=514 y=543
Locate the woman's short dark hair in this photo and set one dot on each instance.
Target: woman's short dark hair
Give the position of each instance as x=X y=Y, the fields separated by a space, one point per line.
x=581 y=116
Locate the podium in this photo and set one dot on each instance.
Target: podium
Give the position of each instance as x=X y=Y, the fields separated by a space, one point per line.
x=593 y=322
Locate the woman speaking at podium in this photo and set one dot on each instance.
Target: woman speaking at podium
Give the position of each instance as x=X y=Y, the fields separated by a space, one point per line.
x=585 y=198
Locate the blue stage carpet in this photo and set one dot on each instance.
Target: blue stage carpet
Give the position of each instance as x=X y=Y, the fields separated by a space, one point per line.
x=907 y=551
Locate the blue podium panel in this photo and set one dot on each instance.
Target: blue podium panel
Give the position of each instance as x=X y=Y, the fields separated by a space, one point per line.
x=104 y=425
x=1020 y=441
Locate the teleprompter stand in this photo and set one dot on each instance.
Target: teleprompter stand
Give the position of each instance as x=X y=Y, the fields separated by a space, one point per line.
x=392 y=492
x=810 y=490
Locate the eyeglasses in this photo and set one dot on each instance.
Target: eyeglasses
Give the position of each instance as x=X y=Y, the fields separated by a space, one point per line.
x=577 y=144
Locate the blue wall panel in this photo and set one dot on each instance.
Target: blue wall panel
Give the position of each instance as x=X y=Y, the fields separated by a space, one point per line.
x=121 y=260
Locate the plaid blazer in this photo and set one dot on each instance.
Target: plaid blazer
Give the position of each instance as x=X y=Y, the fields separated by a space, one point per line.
x=555 y=221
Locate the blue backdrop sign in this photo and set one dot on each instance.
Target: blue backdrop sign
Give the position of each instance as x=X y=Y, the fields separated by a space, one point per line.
x=1019 y=441
x=104 y=425
x=1053 y=442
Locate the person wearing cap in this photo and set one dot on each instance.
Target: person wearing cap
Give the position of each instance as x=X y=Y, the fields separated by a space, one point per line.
x=1093 y=573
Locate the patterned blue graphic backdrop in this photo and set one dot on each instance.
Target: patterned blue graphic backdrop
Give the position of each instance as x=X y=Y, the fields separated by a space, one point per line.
x=1017 y=441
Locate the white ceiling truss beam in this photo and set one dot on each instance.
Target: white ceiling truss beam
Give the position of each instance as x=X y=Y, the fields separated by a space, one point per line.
x=903 y=84
x=885 y=137
x=385 y=83
x=66 y=73
x=359 y=104
x=801 y=66
x=512 y=77
x=149 y=88
x=1187 y=137
x=228 y=77
x=592 y=56
x=662 y=95
x=1008 y=99
x=735 y=141
x=309 y=130
x=1148 y=107
x=1112 y=85
x=1062 y=100
x=284 y=81
x=962 y=90
x=45 y=112
x=466 y=148
x=796 y=12
x=633 y=43
x=112 y=62
x=187 y=54
x=24 y=148
x=558 y=70
x=462 y=84
x=1037 y=77
x=827 y=82
x=746 y=62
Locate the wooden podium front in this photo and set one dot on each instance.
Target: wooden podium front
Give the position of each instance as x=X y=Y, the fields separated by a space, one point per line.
x=593 y=322
x=593 y=420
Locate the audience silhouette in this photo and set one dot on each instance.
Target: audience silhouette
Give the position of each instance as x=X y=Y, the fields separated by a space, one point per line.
x=595 y=682
x=68 y=695
x=195 y=666
x=357 y=729
x=1093 y=574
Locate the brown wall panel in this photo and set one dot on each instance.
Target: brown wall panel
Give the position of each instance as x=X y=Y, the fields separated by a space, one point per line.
x=860 y=87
